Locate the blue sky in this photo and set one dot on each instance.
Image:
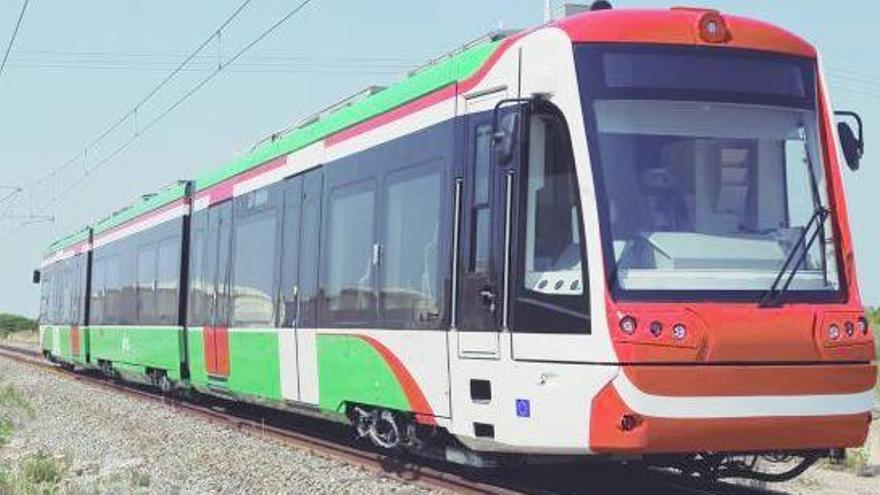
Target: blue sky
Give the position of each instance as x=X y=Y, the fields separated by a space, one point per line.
x=77 y=66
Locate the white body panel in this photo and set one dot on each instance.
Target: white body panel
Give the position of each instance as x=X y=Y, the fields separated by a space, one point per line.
x=287 y=362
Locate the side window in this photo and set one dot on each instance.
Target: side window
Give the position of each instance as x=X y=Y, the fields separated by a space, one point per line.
x=217 y=267
x=128 y=278
x=480 y=213
x=351 y=255
x=64 y=294
x=113 y=292
x=310 y=248
x=410 y=266
x=82 y=288
x=551 y=294
x=167 y=281
x=45 y=295
x=96 y=306
x=200 y=288
x=255 y=259
x=146 y=288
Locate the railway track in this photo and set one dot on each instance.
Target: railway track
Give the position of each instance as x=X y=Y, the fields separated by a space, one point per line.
x=333 y=440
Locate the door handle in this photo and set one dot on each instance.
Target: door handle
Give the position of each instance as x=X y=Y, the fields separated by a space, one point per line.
x=487 y=298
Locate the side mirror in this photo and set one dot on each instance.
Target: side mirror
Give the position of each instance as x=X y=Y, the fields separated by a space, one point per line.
x=853 y=147
x=36 y=276
x=504 y=140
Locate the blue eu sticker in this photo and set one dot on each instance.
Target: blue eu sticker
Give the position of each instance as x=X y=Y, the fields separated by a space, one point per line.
x=523 y=408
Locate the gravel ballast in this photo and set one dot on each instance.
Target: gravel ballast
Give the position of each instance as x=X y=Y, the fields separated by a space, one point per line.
x=110 y=442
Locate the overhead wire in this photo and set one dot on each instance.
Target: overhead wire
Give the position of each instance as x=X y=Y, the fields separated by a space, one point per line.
x=14 y=35
x=148 y=96
x=160 y=117
x=155 y=121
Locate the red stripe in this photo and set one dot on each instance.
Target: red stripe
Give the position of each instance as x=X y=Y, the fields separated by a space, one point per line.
x=224 y=190
x=426 y=101
x=137 y=220
x=417 y=401
x=398 y=113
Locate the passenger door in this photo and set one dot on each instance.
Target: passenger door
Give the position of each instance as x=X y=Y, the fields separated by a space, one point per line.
x=216 y=336
x=481 y=223
x=289 y=293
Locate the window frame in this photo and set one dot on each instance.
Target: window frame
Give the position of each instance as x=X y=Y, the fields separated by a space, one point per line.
x=362 y=317
x=244 y=215
x=529 y=308
x=592 y=87
x=426 y=168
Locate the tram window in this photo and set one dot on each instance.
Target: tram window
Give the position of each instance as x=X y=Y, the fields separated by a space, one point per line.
x=96 y=305
x=221 y=224
x=63 y=295
x=410 y=264
x=255 y=256
x=551 y=296
x=351 y=255
x=45 y=294
x=199 y=298
x=81 y=289
x=146 y=279
x=480 y=215
x=310 y=248
x=125 y=302
x=113 y=292
x=167 y=281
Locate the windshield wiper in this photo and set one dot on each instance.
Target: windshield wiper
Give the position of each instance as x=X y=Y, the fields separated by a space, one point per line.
x=771 y=298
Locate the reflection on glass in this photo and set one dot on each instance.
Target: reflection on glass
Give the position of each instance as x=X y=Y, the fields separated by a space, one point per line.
x=351 y=255
x=411 y=290
x=711 y=196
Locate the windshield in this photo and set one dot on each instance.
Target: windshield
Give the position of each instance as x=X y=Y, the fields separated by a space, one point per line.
x=707 y=168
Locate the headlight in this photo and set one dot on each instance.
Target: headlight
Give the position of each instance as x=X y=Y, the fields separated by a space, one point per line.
x=834 y=331
x=628 y=325
x=679 y=331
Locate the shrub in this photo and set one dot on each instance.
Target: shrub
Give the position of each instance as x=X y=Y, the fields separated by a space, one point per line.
x=14 y=323
x=42 y=469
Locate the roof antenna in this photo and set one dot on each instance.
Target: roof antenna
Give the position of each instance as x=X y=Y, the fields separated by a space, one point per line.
x=548 y=11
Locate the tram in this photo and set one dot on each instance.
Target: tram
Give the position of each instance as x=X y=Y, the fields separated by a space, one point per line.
x=619 y=234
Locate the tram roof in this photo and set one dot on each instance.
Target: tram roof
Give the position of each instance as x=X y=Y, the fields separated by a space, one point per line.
x=434 y=75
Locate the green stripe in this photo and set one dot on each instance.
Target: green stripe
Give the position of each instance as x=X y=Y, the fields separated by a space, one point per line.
x=440 y=75
x=455 y=69
x=160 y=199
x=254 y=365
x=351 y=370
x=147 y=347
x=67 y=241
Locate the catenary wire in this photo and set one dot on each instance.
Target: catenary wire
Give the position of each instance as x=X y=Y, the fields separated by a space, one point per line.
x=148 y=96
x=14 y=35
x=159 y=118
